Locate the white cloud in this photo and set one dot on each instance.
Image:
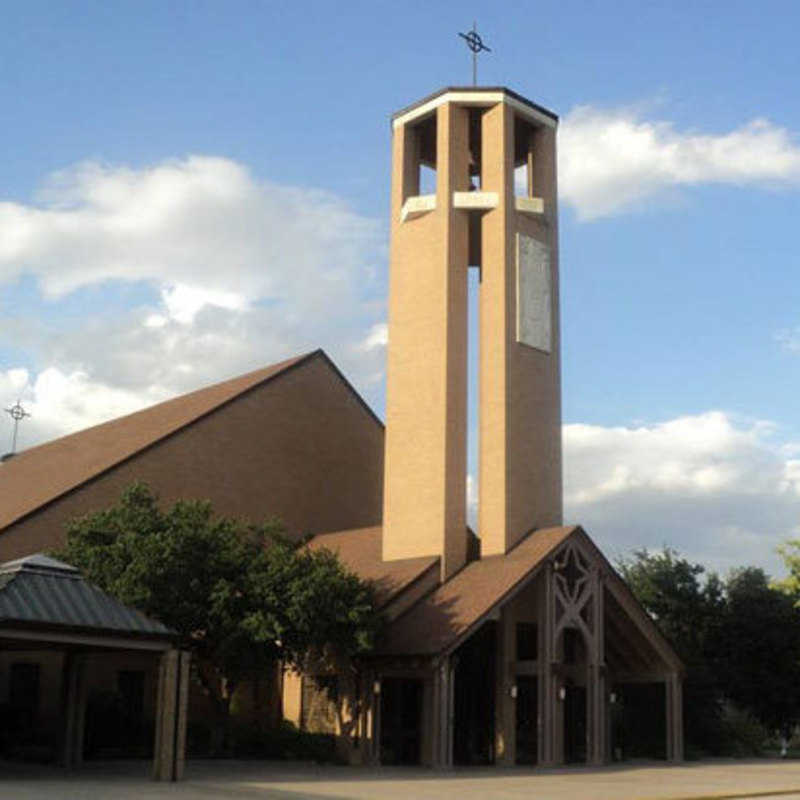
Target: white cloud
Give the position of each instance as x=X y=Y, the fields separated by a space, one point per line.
x=199 y=225
x=241 y=273
x=611 y=161
x=59 y=402
x=184 y=302
x=378 y=337
x=18 y=378
x=722 y=491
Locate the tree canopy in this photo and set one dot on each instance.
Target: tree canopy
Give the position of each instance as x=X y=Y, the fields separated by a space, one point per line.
x=757 y=649
x=241 y=596
x=739 y=639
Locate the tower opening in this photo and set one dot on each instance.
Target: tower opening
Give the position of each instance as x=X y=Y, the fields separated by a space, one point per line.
x=423 y=141
x=473 y=394
x=475 y=129
x=524 y=155
x=475 y=183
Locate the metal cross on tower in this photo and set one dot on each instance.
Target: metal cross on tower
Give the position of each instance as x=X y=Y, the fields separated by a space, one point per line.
x=17 y=413
x=476 y=45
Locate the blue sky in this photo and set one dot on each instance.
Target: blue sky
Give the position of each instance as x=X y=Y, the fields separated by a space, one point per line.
x=189 y=191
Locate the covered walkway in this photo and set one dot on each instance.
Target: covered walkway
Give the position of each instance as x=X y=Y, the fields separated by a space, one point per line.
x=58 y=635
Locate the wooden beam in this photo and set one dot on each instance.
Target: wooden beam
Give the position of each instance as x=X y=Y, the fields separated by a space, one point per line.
x=101 y=641
x=674 y=731
x=74 y=710
x=547 y=706
x=171 y=706
x=598 y=723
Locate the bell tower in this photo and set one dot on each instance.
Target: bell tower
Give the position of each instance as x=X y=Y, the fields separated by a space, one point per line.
x=473 y=185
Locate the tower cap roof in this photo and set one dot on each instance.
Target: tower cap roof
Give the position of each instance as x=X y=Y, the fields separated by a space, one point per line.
x=478 y=94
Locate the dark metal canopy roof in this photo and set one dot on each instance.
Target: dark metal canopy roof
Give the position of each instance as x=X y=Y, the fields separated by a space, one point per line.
x=39 y=591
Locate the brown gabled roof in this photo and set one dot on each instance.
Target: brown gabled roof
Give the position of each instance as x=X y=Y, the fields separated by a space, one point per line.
x=445 y=617
x=440 y=620
x=36 y=477
x=360 y=551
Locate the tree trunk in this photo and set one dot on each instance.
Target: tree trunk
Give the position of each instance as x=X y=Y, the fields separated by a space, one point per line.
x=221 y=743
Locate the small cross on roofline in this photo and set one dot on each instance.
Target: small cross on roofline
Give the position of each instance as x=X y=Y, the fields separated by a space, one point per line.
x=17 y=413
x=476 y=45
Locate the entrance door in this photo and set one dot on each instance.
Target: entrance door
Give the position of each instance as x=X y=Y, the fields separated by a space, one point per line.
x=527 y=718
x=401 y=720
x=575 y=724
x=473 y=698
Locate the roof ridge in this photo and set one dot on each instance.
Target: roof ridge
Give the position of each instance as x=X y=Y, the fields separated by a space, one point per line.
x=203 y=397
x=40 y=563
x=560 y=534
x=282 y=365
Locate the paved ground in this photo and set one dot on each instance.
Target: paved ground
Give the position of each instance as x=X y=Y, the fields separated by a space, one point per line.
x=270 y=781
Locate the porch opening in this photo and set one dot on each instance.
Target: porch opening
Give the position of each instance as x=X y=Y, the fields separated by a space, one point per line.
x=401 y=721
x=474 y=698
x=638 y=721
x=574 y=666
x=574 y=723
x=527 y=719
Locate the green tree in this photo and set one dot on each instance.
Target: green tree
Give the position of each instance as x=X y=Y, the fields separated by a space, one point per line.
x=789 y=551
x=688 y=610
x=756 y=649
x=242 y=597
x=674 y=593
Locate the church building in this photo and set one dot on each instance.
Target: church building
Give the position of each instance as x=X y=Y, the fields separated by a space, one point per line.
x=517 y=644
x=514 y=647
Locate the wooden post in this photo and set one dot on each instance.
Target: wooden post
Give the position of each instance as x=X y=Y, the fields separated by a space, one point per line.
x=74 y=710
x=674 y=699
x=597 y=678
x=546 y=721
x=505 y=746
x=443 y=714
x=170 y=734
x=375 y=705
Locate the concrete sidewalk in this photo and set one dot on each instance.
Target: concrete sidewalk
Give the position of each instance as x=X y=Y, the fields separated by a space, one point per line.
x=275 y=781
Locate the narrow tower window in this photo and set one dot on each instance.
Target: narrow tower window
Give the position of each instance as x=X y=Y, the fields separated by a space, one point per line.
x=424 y=142
x=475 y=130
x=524 y=155
x=473 y=395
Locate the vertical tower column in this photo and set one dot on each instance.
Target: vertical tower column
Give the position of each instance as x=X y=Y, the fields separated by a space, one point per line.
x=486 y=133
x=426 y=398
x=520 y=384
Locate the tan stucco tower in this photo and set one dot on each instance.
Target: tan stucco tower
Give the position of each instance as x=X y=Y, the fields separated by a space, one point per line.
x=489 y=157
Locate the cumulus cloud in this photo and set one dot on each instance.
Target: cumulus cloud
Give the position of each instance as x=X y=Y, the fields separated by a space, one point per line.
x=377 y=337
x=239 y=273
x=612 y=161
x=202 y=229
x=722 y=491
x=59 y=402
